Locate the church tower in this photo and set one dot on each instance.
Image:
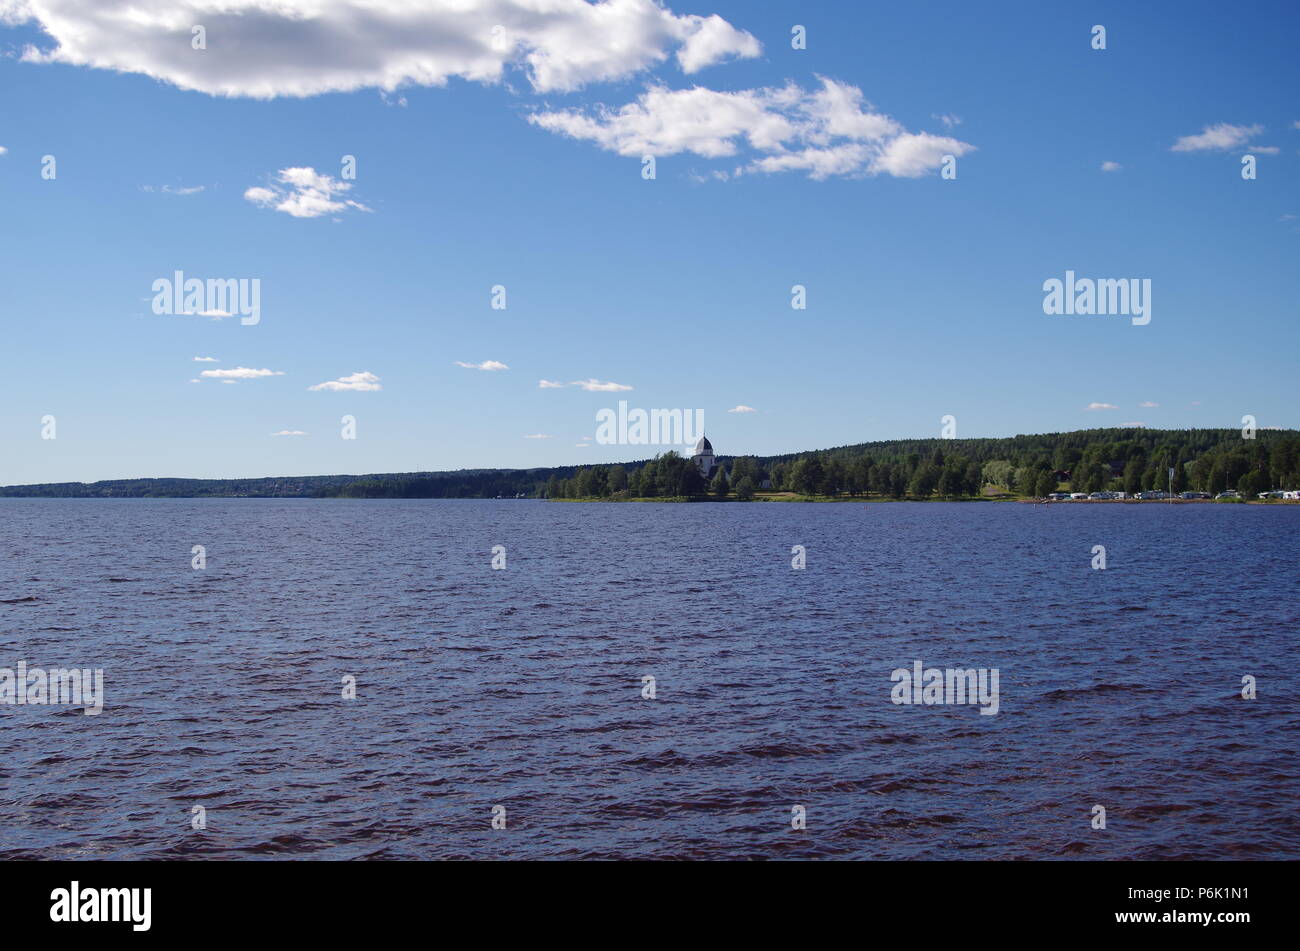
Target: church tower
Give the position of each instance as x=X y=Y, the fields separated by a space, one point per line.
x=704 y=459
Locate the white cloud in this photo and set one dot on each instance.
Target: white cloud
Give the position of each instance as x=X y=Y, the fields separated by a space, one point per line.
x=206 y=360
x=549 y=384
x=360 y=382
x=268 y=48
x=196 y=381
x=3 y=150
x=169 y=190
x=289 y=432
x=1094 y=406
x=1111 y=166
x=823 y=131
x=947 y=120
x=742 y=408
x=715 y=174
x=1219 y=137
x=485 y=365
x=1133 y=425
x=1264 y=149
x=1148 y=404
x=912 y=155
x=540 y=436
x=304 y=193
x=709 y=40
x=596 y=386
x=240 y=373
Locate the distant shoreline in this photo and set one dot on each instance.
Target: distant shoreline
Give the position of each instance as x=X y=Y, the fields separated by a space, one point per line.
x=875 y=500
x=661 y=500
x=1024 y=468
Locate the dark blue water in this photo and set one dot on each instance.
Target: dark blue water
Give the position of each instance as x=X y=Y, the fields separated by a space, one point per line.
x=523 y=687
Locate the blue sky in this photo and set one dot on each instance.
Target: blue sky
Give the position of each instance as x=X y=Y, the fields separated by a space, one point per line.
x=924 y=294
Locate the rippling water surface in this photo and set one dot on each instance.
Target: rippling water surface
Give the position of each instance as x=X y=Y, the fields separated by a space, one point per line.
x=522 y=688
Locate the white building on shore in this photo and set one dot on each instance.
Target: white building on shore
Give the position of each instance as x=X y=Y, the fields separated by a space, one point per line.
x=704 y=458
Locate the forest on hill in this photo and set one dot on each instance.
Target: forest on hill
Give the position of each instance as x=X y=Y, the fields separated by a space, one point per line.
x=1131 y=460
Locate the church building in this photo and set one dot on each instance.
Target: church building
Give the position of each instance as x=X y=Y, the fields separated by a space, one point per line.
x=704 y=459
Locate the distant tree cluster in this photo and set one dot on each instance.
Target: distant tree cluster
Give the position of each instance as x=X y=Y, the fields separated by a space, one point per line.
x=1130 y=460
x=666 y=476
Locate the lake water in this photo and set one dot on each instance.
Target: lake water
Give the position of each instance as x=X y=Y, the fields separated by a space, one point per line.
x=522 y=688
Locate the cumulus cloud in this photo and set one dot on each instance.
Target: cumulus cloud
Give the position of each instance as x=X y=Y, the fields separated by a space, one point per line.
x=268 y=48
x=709 y=40
x=549 y=384
x=360 y=382
x=742 y=408
x=304 y=193
x=1219 y=138
x=485 y=365
x=596 y=386
x=1111 y=166
x=825 y=131
x=240 y=373
x=3 y=150
x=1095 y=406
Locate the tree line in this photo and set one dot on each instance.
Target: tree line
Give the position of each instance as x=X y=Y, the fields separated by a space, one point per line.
x=1131 y=460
